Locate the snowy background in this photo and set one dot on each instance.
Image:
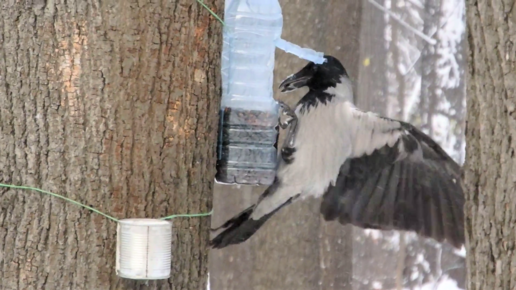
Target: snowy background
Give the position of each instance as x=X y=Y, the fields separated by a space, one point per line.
x=423 y=84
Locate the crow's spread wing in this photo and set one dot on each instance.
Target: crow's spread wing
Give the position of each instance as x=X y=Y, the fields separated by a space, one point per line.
x=404 y=182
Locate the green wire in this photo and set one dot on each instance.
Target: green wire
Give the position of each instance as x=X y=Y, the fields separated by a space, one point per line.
x=211 y=11
x=59 y=196
x=187 y=215
x=95 y=210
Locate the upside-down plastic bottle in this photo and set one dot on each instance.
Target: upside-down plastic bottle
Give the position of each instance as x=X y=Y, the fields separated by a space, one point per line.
x=249 y=114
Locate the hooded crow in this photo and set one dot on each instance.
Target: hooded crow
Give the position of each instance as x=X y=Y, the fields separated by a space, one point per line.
x=369 y=171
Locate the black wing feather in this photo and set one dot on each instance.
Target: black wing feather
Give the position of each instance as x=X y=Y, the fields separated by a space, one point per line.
x=413 y=187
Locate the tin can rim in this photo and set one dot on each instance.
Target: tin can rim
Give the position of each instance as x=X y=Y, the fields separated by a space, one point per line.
x=147 y=222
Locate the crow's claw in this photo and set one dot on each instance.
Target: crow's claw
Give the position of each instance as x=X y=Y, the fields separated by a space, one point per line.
x=288 y=149
x=284 y=124
x=286 y=110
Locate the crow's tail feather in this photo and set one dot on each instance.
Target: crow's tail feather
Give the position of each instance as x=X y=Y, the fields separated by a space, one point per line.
x=238 y=229
x=236 y=220
x=241 y=227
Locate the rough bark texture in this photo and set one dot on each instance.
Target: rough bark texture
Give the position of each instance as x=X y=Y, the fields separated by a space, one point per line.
x=296 y=249
x=490 y=165
x=113 y=104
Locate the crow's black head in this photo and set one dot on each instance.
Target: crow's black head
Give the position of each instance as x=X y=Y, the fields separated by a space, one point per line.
x=318 y=77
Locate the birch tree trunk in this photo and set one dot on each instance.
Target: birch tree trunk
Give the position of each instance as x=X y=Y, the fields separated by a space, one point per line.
x=113 y=104
x=491 y=165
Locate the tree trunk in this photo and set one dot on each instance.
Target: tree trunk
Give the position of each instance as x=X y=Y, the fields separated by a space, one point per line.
x=428 y=65
x=113 y=104
x=295 y=249
x=372 y=91
x=490 y=167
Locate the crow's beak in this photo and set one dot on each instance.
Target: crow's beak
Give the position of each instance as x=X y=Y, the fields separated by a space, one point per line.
x=296 y=81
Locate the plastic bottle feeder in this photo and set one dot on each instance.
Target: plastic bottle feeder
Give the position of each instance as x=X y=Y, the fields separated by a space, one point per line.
x=246 y=151
x=144 y=249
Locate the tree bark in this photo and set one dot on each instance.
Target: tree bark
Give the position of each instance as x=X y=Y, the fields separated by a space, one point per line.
x=490 y=165
x=113 y=104
x=296 y=249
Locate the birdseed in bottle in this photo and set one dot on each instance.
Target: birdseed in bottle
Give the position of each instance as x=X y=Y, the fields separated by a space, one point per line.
x=247 y=147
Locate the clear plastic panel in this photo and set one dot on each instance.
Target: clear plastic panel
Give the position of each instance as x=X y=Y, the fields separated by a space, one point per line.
x=249 y=113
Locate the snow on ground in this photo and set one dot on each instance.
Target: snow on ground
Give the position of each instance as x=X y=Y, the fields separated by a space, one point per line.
x=444 y=284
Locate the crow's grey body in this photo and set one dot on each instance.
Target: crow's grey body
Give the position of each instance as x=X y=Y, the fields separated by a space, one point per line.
x=327 y=136
x=370 y=171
